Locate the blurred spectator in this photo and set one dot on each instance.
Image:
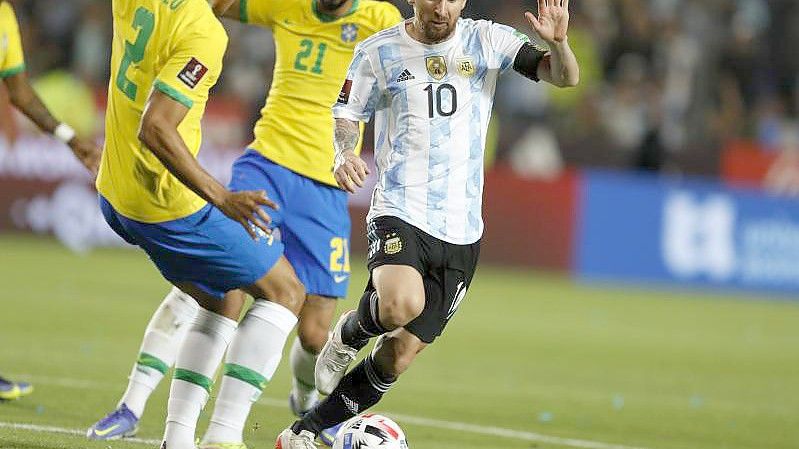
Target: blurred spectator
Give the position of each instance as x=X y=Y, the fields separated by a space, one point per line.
x=665 y=83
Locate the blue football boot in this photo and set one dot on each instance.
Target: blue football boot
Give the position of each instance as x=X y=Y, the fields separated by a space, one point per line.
x=328 y=436
x=8 y=390
x=121 y=423
x=25 y=388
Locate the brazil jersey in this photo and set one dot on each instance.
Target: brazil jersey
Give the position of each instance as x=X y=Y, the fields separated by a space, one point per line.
x=313 y=53
x=11 y=58
x=175 y=46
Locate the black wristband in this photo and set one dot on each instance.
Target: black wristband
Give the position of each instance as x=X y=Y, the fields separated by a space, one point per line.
x=527 y=60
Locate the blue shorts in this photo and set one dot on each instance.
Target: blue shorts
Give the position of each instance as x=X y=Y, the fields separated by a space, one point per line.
x=206 y=248
x=313 y=222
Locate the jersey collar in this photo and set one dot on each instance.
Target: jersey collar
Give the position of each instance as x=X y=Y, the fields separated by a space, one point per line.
x=327 y=17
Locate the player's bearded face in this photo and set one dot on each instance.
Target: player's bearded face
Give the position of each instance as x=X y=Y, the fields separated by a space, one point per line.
x=437 y=18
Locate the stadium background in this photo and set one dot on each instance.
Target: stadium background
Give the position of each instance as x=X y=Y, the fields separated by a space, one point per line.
x=669 y=173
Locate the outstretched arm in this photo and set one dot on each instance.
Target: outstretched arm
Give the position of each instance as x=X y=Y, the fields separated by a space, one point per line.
x=159 y=132
x=350 y=170
x=25 y=99
x=559 y=66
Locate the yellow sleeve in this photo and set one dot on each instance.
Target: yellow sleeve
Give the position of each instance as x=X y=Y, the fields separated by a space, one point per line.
x=193 y=69
x=390 y=16
x=259 y=12
x=12 y=60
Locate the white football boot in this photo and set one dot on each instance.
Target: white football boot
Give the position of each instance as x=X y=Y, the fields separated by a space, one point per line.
x=334 y=359
x=289 y=440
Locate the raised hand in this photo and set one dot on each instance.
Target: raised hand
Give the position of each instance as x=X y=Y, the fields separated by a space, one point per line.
x=553 y=20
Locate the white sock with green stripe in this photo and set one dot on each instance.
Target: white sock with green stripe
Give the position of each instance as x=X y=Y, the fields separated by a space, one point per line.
x=251 y=361
x=159 y=347
x=197 y=362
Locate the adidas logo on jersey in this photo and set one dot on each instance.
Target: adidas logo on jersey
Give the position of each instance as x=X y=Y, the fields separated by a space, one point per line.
x=405 y=76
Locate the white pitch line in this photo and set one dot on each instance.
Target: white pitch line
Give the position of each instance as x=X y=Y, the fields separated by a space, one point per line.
x=483 y=430
x=410 y=419
x=65 y=431
x=507 y=433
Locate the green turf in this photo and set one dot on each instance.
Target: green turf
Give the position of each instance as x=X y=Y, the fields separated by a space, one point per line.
x=527 y=351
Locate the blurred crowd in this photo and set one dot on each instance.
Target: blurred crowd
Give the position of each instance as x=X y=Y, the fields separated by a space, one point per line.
x=666 y=84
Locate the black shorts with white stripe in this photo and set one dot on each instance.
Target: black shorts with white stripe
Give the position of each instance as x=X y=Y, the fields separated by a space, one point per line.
x=447 y=269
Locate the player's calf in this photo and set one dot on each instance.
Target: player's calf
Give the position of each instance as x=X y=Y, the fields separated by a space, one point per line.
x=360 y=389
x=395 y=352
x=313 y=330
x=313 y=333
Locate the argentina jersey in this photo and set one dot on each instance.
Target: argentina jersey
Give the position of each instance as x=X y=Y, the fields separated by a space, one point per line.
x=432 y=105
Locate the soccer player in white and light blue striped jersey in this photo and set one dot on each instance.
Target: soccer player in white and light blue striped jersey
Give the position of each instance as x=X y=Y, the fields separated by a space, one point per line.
x=429 y=83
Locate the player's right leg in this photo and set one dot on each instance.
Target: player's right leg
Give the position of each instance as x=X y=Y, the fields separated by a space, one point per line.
x=395 y=298
x=359 y=390
x=254 y=354
x=159 y=347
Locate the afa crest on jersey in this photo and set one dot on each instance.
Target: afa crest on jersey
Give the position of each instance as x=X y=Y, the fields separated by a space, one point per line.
x=393 y=244
x=436 y=67
x=466 y=67
x=349 y=32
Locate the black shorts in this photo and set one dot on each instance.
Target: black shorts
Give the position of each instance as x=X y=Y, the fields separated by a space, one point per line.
x=447 y=269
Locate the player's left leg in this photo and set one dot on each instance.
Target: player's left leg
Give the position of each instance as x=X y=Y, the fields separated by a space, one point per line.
x=361 y=388
x=312 y=332
x=197 y=361
x=162 y=338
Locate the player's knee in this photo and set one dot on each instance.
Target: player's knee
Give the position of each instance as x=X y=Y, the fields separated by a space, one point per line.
x=312 y=336
x=292 y=294
x=177 y=310
x=288 y=292
x=399 y=309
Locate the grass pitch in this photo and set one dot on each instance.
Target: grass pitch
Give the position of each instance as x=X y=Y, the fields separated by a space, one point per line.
x=561 y=364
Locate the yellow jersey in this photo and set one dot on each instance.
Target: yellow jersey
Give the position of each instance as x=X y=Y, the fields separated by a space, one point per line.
x=11 y=59
x=175 y=46
x=313 y=54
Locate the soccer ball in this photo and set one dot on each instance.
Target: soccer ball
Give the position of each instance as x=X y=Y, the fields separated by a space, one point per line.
x=370 y=432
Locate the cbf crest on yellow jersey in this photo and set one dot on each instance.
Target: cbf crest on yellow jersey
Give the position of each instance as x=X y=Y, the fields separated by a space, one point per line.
x=313 y=53
x=175 y=46
x=11 y=58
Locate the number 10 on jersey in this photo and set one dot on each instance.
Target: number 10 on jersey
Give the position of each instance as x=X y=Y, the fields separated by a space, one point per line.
x=435 y=100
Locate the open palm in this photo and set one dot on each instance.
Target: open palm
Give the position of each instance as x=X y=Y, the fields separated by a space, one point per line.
x=553 y=20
